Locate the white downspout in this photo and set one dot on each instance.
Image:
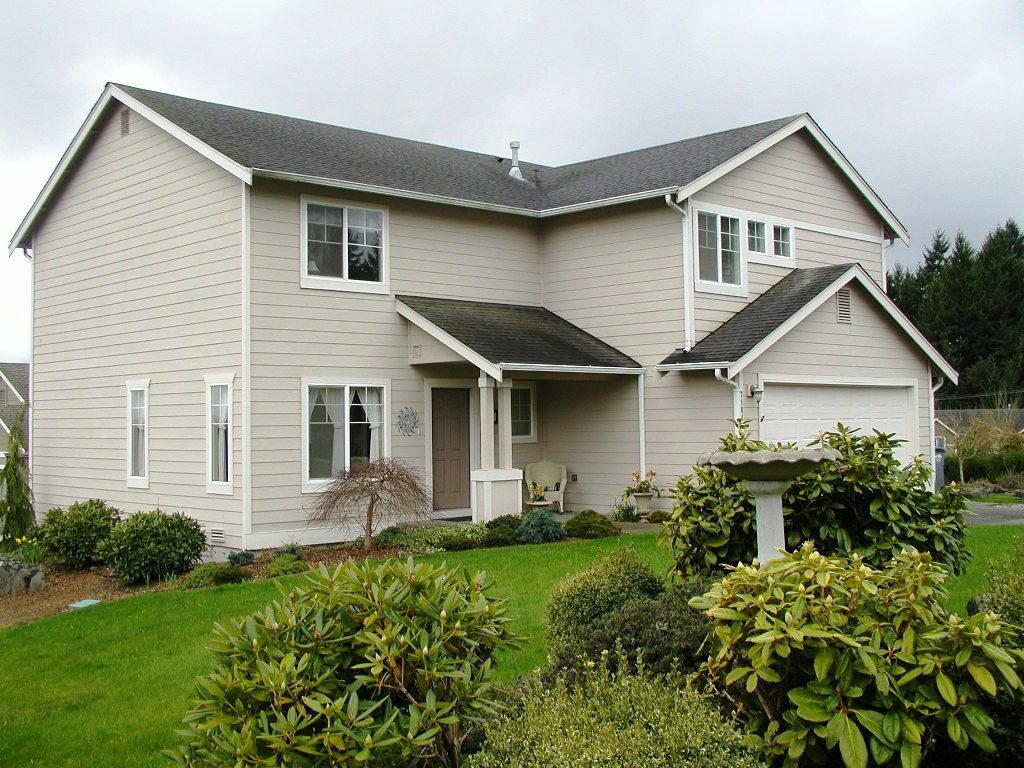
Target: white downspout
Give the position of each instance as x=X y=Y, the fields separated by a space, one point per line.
x=640 y=381
x=688 y=321
x=737 y=394
x=931 y=426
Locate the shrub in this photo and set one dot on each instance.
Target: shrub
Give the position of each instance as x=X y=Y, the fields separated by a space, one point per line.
x=822 y=652
x=76 y=534
x=539 y=526
x=377 y=664
x=865 y=503
x=609 y=719
x=213 y=574
x=663 y=633
x=581 y=599
x=428 y=539
x=152 y=545
x=623 y=512
x=659 y=516
x=1005 y=593
x=241 y=557
x=589 y=524
x=501 y=531
x=285 y=565
x=291 y=548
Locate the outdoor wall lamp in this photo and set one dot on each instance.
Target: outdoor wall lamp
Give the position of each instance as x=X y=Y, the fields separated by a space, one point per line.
x=756 y=393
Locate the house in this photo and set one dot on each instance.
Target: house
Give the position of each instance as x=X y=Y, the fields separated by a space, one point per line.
x=231 y=305
x=13 y=397
x=949 y=423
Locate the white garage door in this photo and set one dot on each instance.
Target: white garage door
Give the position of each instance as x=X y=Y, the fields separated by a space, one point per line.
x=798 y=412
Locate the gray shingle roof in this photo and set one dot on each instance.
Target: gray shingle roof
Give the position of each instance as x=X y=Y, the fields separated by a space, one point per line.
x=268 y=142
x=512 y=334
x=10 y=407
x=755 y=322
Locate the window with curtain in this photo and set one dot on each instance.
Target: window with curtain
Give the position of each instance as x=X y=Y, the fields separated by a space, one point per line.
x=219 y=469
x=345 y=428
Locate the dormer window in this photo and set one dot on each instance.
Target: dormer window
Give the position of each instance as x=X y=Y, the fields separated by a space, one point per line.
x=344 y=246
x=756 y=240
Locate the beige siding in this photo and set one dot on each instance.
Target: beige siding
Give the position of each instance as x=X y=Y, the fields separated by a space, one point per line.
x=871 y=347
x=137 y=275
x=299 y=332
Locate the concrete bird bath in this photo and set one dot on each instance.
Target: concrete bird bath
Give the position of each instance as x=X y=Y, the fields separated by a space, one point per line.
x=768 y=474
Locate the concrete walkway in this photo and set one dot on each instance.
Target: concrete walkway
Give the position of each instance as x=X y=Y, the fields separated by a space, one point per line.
x=995 y=514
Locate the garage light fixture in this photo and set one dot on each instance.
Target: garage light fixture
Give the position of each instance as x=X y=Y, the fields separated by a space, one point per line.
x=756 y=393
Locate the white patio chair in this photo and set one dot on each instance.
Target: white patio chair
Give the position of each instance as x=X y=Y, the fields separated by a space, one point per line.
x=550 y=475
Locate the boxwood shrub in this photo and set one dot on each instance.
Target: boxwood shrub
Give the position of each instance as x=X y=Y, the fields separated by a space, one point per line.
x=76 y=534
x=286 y=565
x=150 y=546
x=501 y=531
x=212 y=575
x=590 y=524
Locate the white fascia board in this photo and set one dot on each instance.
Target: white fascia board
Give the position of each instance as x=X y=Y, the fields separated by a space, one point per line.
x=692 y=366
x=113 y=93
x=4 y=427
x=804 y=121
x=11 y=387
x=531 y=367
x=449 y=341
x=855 y=272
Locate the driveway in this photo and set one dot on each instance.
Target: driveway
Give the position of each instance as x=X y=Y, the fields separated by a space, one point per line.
x=995 y=514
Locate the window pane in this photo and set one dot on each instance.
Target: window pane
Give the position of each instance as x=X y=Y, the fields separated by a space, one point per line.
x=364 y=263
x=326 y=431
x=756 y=237
x=324 y=259
x=138 y=451
x=324 y=240
x=730 y=250
x=219 y=426
x=707 y=237
x=781 y=238
x=522 y=412
x=365 y=235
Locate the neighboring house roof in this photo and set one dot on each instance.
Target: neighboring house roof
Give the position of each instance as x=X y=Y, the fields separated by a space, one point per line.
x=248 y=144
x=503 y=337
x=963 y=417
x=755 y=328
x=13 y=379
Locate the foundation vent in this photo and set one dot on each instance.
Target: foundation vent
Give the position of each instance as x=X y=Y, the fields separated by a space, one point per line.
x=844 y=314
x=215 y=535
x=126 y=122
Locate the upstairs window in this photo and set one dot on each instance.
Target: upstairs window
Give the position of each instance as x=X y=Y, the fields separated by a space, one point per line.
x=782 y=246
x=756 y=241
x=719 y=248
x=343 y=246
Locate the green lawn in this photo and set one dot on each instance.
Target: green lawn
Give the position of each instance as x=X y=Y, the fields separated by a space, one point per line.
x=1000 y=498
x=109 y=685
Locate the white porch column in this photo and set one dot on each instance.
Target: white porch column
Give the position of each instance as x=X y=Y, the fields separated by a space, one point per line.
x=504 y=393
x=495 y=491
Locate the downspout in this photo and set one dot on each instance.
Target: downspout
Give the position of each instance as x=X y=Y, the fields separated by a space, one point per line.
x=640 y=381
x=688 y=321
x=737 y=395
x=931 y=426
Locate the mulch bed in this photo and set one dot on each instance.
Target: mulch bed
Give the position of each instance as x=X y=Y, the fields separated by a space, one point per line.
x=66 y=586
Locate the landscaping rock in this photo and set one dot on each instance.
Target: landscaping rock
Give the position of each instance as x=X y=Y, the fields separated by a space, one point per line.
x=18 y=576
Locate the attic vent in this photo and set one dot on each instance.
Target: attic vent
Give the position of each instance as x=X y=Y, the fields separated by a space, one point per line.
x=215 y=535
x=844 y=314
x=126 y=124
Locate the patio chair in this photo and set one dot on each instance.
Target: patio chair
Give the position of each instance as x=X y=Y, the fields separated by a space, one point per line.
x=550 y=475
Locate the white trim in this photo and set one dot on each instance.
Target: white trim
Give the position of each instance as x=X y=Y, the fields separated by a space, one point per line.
x=304 y=536
x=700 y=285
x=428 y=437
x=31 y=362
x=911 y=385
x=641 y=382
x=112 y=93
x=4 y=427
x=532 y=387
x=946 y=426
x=692 y=366
x=246 y=422
x=931 y=426
x=804 y=121
x=314 y=486
x=136 y=385
x=537 y=368
x=319 y=282
x=771 y=218
x=448 y=340
x=493 y=475
x=10 y=386
x=224 y=379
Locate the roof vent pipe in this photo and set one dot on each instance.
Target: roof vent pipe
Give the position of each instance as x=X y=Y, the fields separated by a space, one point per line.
x=514 y=171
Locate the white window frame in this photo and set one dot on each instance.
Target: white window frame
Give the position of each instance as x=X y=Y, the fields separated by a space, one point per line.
x=314 y=486
x=136 y=481
x=532 y=387
x=211 y=380
x=321 y=282
x=747 y=256
x=764 y=224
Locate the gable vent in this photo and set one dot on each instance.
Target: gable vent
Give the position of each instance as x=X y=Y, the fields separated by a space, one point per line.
x=844 y=314
x=215 y=535
x=126 y=124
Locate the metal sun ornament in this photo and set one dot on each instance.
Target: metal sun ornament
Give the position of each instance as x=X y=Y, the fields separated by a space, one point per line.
x=408 y=421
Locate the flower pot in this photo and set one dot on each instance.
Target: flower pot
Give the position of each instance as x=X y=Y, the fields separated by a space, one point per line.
x=642 y=501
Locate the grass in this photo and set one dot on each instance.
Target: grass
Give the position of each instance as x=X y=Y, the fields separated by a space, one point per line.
x=999 y=498
x=108 y=686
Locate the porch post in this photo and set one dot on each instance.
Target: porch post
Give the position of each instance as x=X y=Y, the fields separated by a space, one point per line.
x=486 y=422
x=504 y=394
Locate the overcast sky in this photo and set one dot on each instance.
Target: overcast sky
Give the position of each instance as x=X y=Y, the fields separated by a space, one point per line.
x=923 y=97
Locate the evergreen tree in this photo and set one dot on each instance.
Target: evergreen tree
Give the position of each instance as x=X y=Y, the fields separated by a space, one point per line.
x=16 y=503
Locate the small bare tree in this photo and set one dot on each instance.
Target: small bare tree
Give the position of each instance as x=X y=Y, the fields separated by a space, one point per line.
x=375 y=495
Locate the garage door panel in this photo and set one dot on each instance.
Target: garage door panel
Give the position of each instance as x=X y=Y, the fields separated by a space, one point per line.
x=799 y=412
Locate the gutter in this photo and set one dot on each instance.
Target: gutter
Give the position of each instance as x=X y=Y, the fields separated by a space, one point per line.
x=688 y=315
x=737 y=394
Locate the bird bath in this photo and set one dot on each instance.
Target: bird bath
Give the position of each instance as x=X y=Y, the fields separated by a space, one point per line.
x=768 y=474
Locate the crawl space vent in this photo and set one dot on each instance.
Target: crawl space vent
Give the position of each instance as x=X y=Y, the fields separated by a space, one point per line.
x=843 y=312
x=215 y=535
x=126 y=122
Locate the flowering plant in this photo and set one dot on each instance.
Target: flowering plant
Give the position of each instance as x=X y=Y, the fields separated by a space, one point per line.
x=29 y=549
x=642 y=484
x=536 y=492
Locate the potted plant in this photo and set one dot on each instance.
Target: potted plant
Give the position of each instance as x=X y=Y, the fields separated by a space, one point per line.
x=641 y=491
x=536 y=493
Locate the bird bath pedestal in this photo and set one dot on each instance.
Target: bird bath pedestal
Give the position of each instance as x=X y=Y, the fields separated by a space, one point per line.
x=768 y=474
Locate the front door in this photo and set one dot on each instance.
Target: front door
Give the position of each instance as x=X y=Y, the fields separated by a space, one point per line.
x=450 y=438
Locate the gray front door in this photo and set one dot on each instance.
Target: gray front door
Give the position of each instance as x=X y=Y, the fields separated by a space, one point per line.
x=450 y=437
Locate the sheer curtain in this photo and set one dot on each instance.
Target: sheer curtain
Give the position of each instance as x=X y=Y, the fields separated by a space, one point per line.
x=374 y=415
x=335 y=403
